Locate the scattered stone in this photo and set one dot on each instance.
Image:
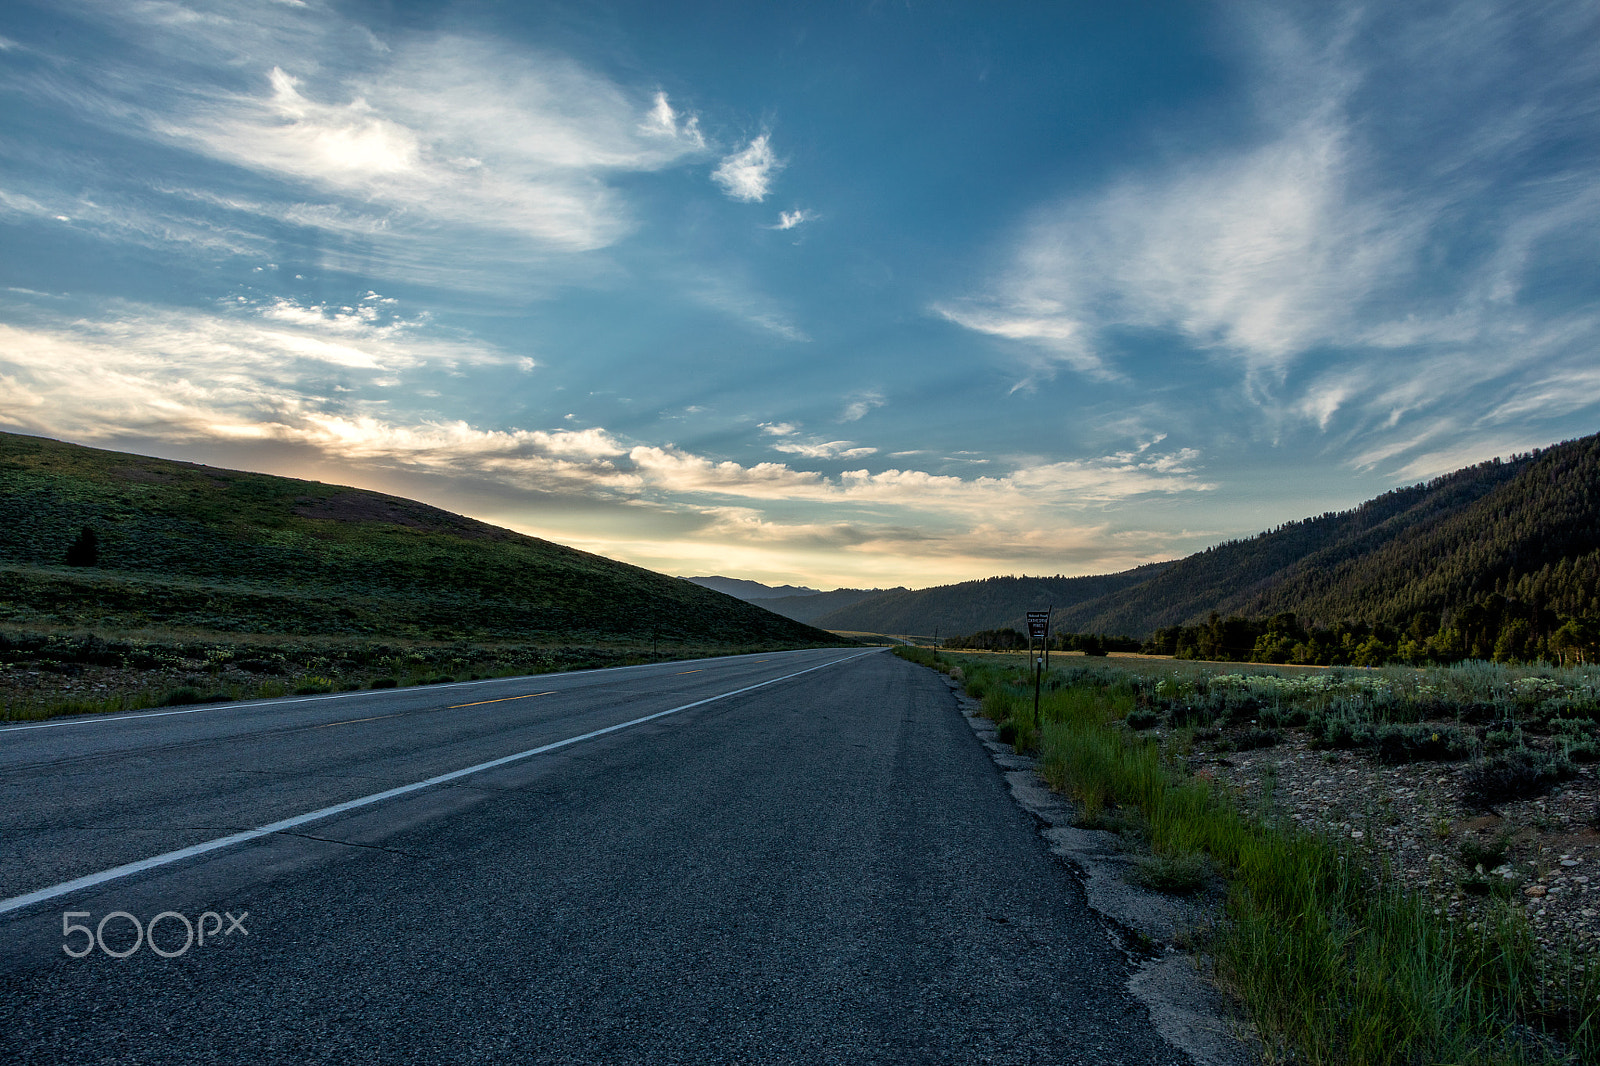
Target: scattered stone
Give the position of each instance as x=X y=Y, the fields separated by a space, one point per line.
x=1425 y=832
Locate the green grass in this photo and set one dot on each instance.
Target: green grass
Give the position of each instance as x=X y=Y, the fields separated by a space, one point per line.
x=1336 y=962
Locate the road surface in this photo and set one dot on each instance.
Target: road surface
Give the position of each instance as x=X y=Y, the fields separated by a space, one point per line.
x=794 y=857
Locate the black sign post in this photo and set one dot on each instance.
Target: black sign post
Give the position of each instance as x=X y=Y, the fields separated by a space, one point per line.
x=1038 y=626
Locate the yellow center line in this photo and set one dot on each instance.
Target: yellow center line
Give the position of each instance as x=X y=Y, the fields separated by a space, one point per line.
x=353 y=721
x=503 y=699
x=680 y=673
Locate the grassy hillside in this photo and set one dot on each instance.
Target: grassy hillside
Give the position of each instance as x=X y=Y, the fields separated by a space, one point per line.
x=195 y=548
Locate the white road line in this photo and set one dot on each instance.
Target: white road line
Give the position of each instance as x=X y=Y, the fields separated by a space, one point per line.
x=243 y=704
x=167 y=858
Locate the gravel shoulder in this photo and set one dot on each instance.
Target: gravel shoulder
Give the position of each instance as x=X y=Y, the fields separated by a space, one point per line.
x=1412 y=817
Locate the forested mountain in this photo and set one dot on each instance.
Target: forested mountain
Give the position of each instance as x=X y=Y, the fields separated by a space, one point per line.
x=1498 y=560
x=1492 y=560
x=991 y=603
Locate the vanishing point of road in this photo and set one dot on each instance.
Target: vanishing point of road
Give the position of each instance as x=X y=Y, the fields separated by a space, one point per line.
x=794 y=857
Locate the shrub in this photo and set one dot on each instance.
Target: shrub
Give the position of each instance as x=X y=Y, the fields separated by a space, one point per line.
x=1143 y=719
x=85 y=551
x=1516 y=774
x=1283 y=716
x=1419 y=743
x=1488 y=856
x=1585 y=751
x=1502 y=739
x=384 y=682
x=1573 y=727
x=180 y=696
x=1338 y=730
x=1191 y=712
x=1251 y=739
x=313 y=685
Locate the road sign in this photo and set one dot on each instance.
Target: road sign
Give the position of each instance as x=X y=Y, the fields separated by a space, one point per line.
x=1038 y=624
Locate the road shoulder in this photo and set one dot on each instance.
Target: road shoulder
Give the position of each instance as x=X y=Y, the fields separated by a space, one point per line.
x=1187 y=1010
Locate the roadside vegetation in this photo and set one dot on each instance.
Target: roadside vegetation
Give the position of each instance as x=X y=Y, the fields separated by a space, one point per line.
x=45 y=675
x=1335 y=958
x=1485 y=630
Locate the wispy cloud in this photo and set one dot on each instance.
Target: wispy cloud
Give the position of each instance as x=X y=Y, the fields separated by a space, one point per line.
x=189 y=374
x=831 y=449
x=1563 y=392
x=791 y=219
x=1057 y=336
x=422 y=153
x=1343 y=230
x=860 y=405
x=663 y=121
x=458 y=130
x=736 y=297
x=1257 y=255
x=747 y=174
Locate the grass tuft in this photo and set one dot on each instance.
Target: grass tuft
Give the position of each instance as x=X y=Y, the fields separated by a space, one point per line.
x=1183 y=874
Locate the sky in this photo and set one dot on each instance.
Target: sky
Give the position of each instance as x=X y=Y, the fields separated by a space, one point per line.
x=832 y=294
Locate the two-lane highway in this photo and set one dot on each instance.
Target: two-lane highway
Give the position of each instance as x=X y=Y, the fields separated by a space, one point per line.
x=799 y=857
x=86 y=795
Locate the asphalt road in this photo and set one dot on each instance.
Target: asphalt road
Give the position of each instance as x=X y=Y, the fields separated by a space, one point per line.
x=824 y=867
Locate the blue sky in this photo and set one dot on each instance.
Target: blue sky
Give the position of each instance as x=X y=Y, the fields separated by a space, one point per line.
x=854 y=294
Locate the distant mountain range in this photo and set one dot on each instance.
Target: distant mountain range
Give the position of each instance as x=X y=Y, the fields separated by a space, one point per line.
x=990 y=603
x=792 y=601
x=752 y=591
x=1467 y=557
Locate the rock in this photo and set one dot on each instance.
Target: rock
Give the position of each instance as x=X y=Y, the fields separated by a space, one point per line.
x=1534 y=890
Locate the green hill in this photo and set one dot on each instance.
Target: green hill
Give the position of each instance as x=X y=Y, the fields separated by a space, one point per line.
x=200 y=549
